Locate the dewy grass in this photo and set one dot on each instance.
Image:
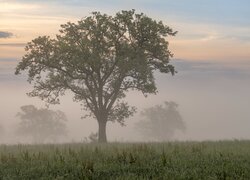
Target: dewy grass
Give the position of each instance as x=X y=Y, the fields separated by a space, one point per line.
x=174 y=160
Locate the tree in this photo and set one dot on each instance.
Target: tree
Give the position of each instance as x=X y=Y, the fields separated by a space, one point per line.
x=161 y=122
x=93 y=137
x=41 y=124
x=99 y=59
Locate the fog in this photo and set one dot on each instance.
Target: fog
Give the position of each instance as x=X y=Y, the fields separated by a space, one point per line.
x=213 y=100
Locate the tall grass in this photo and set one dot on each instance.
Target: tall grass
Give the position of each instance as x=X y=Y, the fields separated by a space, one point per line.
x=173 y=160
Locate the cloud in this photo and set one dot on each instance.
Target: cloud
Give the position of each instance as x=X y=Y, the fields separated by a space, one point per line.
x=14 y=6
x=13 y=44
x=7 y=60
x=211 y=69
x=4 y=34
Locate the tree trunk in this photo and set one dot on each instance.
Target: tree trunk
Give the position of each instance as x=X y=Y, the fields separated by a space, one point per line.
x=102 y=137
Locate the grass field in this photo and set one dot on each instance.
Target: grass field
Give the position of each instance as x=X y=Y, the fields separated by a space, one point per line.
x=176 y=160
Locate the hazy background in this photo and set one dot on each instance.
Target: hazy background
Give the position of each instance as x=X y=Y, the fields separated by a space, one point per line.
x=212 y=57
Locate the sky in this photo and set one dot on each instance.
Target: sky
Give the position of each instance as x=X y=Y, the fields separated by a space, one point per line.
x=211 y=54
x=207 y=29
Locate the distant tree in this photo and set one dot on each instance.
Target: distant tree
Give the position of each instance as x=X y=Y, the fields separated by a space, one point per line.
x=99 y=59
x=160 y=122
x=41 y=124
x=93 y=137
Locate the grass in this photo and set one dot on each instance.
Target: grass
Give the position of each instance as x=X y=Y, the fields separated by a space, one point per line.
x=175 y=160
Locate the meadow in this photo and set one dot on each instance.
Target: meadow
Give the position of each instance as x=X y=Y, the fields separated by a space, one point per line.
x=171 y=160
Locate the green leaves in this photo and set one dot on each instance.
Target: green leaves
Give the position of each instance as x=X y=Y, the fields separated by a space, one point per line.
x=98 y=59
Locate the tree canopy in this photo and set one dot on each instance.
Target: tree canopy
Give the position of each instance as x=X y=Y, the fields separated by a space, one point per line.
x=160 y=122
x=99 y=59
x=41 y=124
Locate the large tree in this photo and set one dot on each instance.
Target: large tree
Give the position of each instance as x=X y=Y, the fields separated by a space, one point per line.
x=99 y=58
x=41 y=124
x=160 y=122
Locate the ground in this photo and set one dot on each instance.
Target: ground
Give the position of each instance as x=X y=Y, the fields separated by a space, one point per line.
x=172 y=160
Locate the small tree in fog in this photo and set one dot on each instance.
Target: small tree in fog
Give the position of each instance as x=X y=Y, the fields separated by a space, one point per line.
x=41 y=124
x=93 y=137
x=160 y=122
x=99 y=59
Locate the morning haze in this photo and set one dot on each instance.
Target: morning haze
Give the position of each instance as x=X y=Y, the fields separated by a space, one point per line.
x=211 y=55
